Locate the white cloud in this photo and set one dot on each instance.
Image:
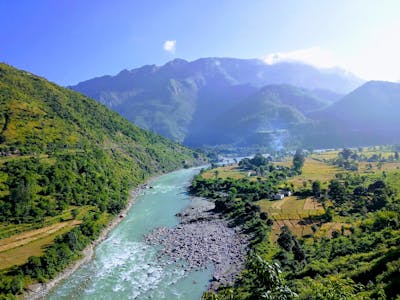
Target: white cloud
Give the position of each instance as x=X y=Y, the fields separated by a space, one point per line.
x=315 y=56
x=170 y=46
x=376 y=59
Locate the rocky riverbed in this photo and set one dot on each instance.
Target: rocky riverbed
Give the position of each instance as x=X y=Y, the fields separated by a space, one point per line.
x=203 y=238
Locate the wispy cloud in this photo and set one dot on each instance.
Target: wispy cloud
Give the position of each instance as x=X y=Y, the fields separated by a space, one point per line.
x=170 y=46
x=315 y=56
x=376 y=59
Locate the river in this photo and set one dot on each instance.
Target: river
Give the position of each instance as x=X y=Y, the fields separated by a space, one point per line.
x=124 y=267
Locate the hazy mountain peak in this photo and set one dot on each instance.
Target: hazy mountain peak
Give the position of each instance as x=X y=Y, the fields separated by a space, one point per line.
x=176 y=62
x=381 y=84
x=124 y=72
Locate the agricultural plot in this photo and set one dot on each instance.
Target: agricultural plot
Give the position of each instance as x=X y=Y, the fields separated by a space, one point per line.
x=20 y=241
x=292 y=212
x=384 y=153
x=291 y=208
x=365 y=166
x=374 y=167
x=327 y=229
x=313 y=170
x=9 y=229
x=16 y=249
x=299 y=228
x=325 y=155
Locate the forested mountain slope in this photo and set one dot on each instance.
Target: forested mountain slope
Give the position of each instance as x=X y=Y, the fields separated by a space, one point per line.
x=46 y=125
x=60 y=150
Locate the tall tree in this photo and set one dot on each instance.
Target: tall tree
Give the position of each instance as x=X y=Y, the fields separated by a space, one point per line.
x=268 y=281
x=316 y=188
x=298 y=160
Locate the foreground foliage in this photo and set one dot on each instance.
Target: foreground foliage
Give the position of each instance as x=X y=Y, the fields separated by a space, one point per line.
x=358 y=260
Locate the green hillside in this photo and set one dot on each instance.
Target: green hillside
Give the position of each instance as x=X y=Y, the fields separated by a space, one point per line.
x=260 y=119
x=66 y=157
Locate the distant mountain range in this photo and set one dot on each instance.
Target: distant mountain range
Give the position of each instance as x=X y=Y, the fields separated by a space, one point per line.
x=368 y=115
x=214 y=101
x=178 y=98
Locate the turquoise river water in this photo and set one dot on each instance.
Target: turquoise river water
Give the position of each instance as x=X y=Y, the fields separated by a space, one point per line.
x=124 y=267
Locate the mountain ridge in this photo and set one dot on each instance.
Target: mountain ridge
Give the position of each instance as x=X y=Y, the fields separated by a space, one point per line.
x=262 y=115
x=181 y=96
x=368 y=115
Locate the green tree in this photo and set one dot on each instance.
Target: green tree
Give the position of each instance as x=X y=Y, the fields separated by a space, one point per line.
x=332 y=288
x=298 y=160
x=316 y=188
x=74 y=213
x=298 y=251
x=337 y=191
x=268 y=281
x=346 y=153
x=285 y=239
x=16 y=285
x=259 y=160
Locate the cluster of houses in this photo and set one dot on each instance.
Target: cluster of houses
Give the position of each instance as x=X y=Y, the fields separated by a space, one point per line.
x=282 y=194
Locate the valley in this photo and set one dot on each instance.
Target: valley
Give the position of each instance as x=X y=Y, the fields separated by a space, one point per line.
x=213 y=150
x=67 y=165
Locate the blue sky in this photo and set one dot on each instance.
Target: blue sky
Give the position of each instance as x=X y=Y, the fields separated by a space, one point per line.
x=68 y=41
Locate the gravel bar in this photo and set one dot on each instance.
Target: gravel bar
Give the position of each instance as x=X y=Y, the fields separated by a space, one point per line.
x=202 y=238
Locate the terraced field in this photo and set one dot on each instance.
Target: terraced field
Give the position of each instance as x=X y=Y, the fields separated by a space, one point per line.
x=292 y=212
x=312 y=170
x=20 y=241
x=373 y=167
x=16 y=249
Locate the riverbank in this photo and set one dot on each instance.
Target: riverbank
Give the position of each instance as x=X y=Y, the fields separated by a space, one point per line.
x=40 y=290
x=202 y=239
